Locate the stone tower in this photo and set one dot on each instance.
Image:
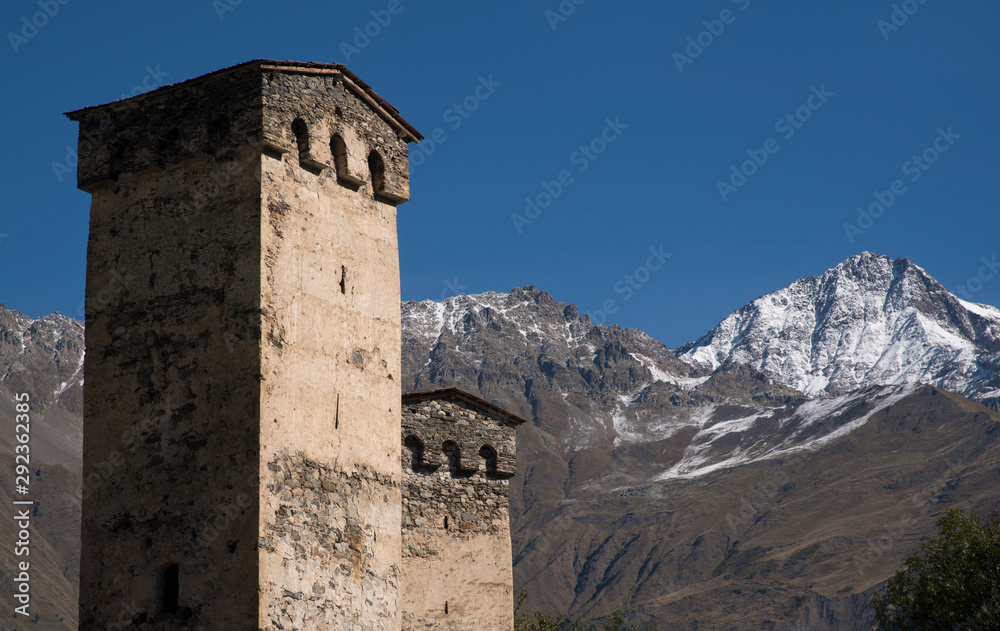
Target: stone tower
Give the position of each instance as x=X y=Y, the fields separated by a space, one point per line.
x=458 y=456
x=243 y=338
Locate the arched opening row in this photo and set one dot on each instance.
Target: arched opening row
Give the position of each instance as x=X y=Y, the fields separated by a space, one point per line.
x=419 y=463
x=309 y=161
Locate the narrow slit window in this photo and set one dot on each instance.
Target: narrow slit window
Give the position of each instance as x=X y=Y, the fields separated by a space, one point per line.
x=168 y=589
x=339 y=150
x=301 y=138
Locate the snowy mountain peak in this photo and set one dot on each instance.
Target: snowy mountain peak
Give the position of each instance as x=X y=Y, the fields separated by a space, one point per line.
x=869 y=320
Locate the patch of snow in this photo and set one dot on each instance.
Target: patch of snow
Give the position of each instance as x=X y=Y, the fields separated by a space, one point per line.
x=697 y=462
x=986 y=311
x=685 y=383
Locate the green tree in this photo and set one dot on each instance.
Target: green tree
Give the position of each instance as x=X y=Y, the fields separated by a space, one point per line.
x=549 y=622
x=951 y=583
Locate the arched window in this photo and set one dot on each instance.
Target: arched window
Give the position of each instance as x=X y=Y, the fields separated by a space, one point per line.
x=339 y=150
x=306 y=160
x=376 y=167
x=454 y=455
x=489 y=454
x=415 y=447
x=301 y=137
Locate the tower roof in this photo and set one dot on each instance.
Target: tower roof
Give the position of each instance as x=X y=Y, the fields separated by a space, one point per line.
x=340 y=71
x=471 y=399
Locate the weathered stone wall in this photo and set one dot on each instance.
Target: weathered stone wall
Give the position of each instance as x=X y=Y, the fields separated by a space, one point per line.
x=326 y=532
x=242 y=393
x=330 y=358
x=456 y=529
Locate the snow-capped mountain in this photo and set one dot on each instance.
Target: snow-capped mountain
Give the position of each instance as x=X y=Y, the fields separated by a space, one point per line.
x=870 y=320
x=706 y=485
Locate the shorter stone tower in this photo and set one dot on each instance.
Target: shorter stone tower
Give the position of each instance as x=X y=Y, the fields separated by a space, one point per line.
x=458 y=455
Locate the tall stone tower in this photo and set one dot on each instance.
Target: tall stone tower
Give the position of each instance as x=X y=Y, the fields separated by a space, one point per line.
x=242 y=397
x=459 y=454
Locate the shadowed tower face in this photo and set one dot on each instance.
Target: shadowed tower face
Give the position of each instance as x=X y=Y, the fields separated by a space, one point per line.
x=242 y=401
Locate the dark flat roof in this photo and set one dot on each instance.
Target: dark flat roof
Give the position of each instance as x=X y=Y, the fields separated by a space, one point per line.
x=462 y=395
x=301 y=67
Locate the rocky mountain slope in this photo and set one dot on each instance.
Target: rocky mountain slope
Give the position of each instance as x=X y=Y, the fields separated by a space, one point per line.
x=770 y=475
x=650 y=477
x=44 y=358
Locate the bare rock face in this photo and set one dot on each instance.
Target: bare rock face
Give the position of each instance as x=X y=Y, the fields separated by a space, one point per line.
x=43 y=356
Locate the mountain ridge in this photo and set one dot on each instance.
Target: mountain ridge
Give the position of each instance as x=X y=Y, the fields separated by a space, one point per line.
x=621 y=429
x=703 y=493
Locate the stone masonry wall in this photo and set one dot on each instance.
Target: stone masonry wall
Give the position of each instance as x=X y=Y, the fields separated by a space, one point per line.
x=456 y=531
x=329 y=545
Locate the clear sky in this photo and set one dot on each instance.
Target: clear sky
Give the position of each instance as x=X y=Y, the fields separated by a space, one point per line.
x=623 y=132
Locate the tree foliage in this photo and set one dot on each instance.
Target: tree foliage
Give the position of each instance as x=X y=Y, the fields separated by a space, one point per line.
x=952 y=582
x=618 y=621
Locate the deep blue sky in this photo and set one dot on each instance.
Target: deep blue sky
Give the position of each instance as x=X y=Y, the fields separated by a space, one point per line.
x=654 y=186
